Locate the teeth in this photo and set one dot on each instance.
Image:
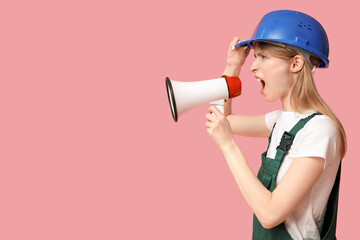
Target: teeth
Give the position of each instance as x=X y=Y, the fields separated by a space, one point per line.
x=258 y=79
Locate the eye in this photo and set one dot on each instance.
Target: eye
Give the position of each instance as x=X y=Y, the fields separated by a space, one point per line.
x=262 y=56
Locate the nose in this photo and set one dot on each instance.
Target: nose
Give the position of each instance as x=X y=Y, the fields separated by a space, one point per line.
x=254 y=66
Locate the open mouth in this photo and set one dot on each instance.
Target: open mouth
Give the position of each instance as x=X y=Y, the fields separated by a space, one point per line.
x=262 y=82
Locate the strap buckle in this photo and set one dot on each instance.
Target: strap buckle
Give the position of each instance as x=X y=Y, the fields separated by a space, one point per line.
x=286 y=141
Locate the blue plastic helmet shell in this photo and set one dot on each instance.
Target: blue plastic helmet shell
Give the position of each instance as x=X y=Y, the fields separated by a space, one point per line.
x=293 y=28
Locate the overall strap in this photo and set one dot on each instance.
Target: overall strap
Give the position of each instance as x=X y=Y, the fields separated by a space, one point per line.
x=288 y=137
x=269 y=139
x=329 y=227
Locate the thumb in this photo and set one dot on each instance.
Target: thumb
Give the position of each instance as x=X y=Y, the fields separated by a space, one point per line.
x=233 y=42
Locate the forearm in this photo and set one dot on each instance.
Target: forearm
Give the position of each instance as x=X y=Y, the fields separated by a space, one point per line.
x=250 y=126
x=256 y=195
x=230 y=71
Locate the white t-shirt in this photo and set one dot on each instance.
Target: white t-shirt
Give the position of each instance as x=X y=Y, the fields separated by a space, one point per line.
x=318 y=138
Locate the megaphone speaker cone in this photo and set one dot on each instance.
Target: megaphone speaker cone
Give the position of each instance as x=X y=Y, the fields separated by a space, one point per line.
x=171 y=97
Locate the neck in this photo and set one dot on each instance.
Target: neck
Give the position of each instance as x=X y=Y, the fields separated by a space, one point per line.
x=286 y=106
x=285 y=100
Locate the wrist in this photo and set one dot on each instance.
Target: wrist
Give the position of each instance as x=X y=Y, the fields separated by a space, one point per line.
x=232 y=71
x=228 y=146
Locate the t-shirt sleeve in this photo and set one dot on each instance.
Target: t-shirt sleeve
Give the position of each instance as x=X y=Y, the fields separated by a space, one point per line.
x=271 y=117
x=319 y=139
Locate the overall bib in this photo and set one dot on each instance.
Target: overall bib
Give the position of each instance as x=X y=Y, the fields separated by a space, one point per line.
x=267 y=175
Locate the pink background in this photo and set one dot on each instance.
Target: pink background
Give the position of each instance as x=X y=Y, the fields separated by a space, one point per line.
x=88 y=146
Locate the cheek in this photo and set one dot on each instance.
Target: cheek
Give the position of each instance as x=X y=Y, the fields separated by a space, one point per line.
x=280 y=80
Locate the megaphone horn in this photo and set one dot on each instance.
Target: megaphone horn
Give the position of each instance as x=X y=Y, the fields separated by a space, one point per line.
x=186 y=95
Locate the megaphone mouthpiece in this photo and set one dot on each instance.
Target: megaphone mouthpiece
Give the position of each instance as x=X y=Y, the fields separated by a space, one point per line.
x=234 y=86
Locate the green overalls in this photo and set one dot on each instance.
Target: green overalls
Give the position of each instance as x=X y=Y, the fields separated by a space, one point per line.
x=267 y=175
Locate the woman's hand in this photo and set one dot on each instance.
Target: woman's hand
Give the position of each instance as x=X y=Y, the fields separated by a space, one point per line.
x=235 y=58
x=218 y=128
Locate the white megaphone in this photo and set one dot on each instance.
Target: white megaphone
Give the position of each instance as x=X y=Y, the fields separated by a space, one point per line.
x=186 y=95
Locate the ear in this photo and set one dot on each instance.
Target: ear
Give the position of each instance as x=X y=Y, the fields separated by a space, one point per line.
x=297 y=64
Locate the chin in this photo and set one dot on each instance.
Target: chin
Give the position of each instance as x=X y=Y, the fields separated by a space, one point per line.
x=270 y=99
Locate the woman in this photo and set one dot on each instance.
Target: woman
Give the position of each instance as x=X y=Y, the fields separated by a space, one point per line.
x=294 y=195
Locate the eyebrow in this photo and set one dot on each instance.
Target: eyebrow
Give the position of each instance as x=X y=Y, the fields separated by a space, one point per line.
x=259 y=53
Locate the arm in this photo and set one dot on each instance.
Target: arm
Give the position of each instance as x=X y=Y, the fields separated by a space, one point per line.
x=235 y=59
x=271 y=208
x=251 y=126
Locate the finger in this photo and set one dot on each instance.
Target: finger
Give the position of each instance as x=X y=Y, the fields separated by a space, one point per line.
x=209 y=125
x=233 y=42
x=247 y=51
x=215 y=110
x=211 y=111
x=244 y=47
x=210 y=117
x=239 y=41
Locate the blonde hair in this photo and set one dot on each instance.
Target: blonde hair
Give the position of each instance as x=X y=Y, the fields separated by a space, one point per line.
x=304 y=95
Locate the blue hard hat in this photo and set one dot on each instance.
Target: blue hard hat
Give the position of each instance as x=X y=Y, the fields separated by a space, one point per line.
x=293 y=28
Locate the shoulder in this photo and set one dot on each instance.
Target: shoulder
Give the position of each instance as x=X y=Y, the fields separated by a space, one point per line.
x=271 y=118
x=318 y=138
x=320 y=126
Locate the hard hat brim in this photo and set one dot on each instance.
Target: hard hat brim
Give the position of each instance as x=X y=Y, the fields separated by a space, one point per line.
x=245 y=43
x=250 y=43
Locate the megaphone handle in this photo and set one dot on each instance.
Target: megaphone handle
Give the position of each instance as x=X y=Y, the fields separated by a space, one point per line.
x=219 y=104
x=221 y=108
